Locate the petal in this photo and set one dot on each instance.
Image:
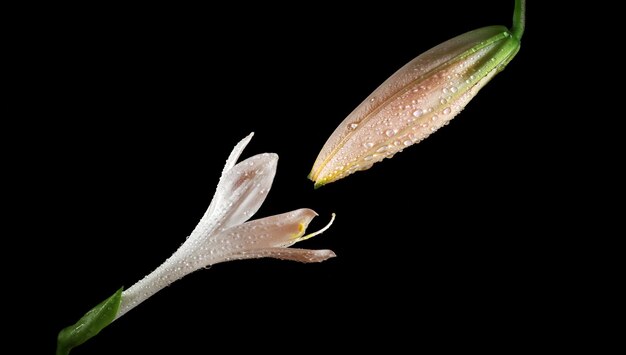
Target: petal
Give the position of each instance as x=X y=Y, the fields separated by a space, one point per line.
x=239 y=194
x=243 y=189
x=295 y=254
x=234 y=155
x=281 y=230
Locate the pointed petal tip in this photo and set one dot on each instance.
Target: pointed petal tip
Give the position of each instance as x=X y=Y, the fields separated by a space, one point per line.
x=317 y=256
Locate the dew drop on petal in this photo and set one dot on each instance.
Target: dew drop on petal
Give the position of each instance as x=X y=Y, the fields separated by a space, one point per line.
x=447 y=111
x=368 y=144
x=454 y=89
x=353 y=125
x=418 y=112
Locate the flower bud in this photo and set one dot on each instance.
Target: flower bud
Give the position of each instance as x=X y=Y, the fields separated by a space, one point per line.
x=417 y=100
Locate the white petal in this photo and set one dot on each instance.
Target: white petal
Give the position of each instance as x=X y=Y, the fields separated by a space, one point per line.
x=234 y=155
x=230 y=163
x=244 y=188
x=295 y=254
x=239 y=194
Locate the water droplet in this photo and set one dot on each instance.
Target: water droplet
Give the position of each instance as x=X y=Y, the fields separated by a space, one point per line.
x=353 y=125
x=418 y=112
x=368 y=144
x=381 y=149
x=445 y=90
x=447 y=111
x=368 y=157
x=454 y=89
x=391 y=132
x=432 y=129
x=443 y=101
x=407 y=142
x=435 y=117
x=372 y=99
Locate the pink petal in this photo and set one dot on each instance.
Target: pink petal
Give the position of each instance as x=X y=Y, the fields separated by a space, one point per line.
x=280 y=230
x=295 y=254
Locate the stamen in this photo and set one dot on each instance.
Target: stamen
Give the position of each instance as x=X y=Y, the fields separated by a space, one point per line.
x=332 y=219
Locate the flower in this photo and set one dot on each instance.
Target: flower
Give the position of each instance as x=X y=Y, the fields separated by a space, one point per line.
x=223 y=233
x=418 y=99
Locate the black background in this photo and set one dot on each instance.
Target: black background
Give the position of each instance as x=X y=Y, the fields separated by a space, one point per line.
x=136 y=111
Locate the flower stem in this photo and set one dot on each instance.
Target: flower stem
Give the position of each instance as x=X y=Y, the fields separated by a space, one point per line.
x=171 y=270
x=519 y=19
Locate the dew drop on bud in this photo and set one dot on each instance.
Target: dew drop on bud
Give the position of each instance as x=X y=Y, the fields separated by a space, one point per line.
x=391 y=132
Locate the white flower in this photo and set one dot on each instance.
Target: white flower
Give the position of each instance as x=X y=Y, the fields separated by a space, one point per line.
x=221 y=235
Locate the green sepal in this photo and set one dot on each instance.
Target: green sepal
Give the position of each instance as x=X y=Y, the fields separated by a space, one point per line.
x=90 y=324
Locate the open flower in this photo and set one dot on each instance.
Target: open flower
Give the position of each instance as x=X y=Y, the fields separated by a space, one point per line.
x=221 y=235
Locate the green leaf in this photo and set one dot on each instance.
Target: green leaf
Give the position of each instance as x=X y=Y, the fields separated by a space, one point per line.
x=90 y=324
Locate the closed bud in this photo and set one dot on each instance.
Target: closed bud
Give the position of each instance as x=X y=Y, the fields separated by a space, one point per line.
x=418 y=99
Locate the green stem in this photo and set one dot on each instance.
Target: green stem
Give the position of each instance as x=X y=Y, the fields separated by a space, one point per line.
x=519 y=19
